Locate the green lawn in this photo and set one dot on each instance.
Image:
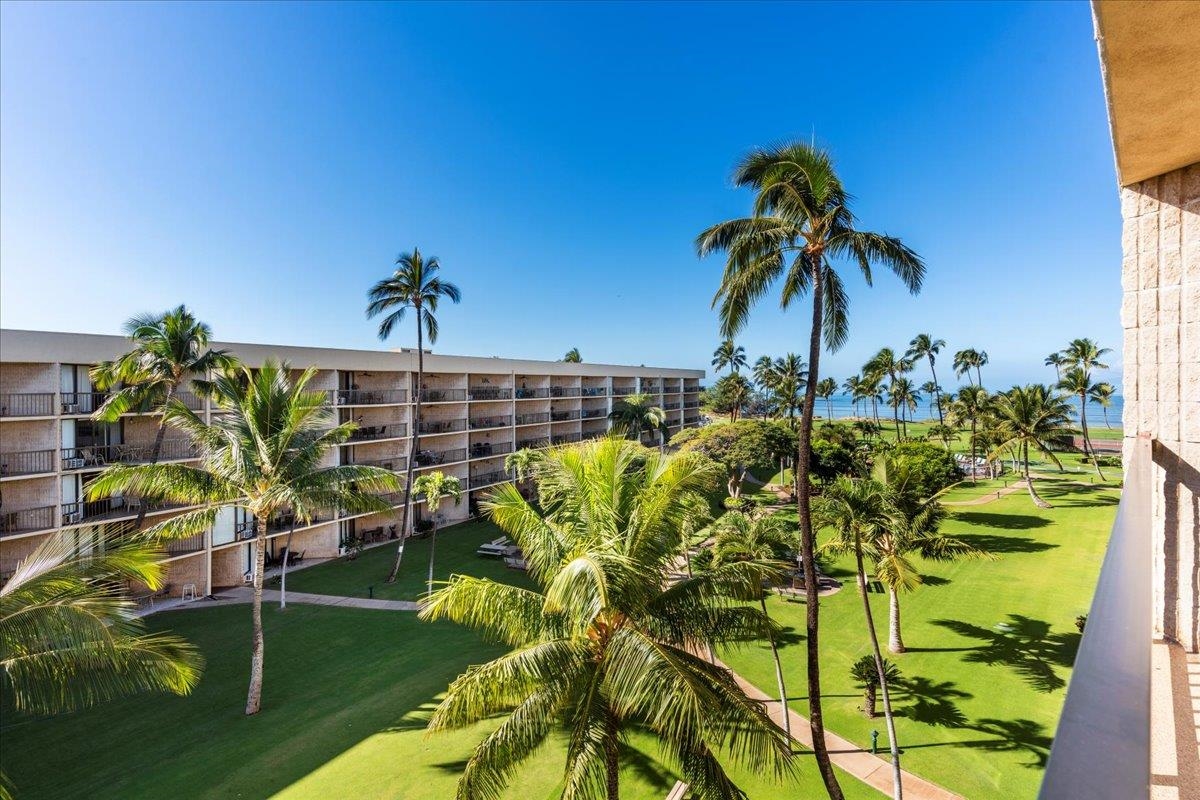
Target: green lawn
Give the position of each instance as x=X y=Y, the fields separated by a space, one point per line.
x=455 y=553
x=991 y=642
x=347 y=694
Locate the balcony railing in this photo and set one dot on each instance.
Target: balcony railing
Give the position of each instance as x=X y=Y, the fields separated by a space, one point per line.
x=482 y=423
x=533 y=419
x=27 y=404
x=371 y=432
x=26 y=462
x=441 y=425
x=489 y=478
x=108 y=508
x=564 y=391
x=691 y=403
x=530 y=394
x=285 y=520
x=489 y=393
x=691 y=420
x=393 y=464
x=370 y=397
x=594 y=391
x=190 y=400
x=693 y=389
x=563 y=416
x=621 y=391
x=595 y=433
x=565 y=438
x=652 y=389
x=99 y=455
x=443 y=395
x=430 y=458
x=671 y=406
x=180 y=547
x=1102 y=748
x=533 y=443
x=82 y=402
x=488 y=449
x=592 y=413
x=27 y=519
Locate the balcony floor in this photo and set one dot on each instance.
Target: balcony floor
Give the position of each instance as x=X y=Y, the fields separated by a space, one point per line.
x=1174 y=723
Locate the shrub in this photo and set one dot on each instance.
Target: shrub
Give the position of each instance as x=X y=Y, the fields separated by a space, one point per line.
x=928 y=468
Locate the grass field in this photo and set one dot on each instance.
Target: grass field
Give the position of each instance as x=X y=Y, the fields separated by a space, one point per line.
x=990 y=642
x=347 y=695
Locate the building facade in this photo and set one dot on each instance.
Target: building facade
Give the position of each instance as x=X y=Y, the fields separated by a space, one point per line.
x=474 y=412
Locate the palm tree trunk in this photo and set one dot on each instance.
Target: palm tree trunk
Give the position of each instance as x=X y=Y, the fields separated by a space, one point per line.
x=979 y=374
x=897 y=786
x=895 y=640
x=432 y=547
x=254 y=696
x=783 y=706
x=1087 y=442
x=414 y=443
x=816 y=718
x=155 y=452
x=896 y=417
x=937 y=394
x=1105 y=410
x=287 y=554
x=869 y=701
x=612 y=764
x=972 y=450
x=1033 y=495
x=829 y=406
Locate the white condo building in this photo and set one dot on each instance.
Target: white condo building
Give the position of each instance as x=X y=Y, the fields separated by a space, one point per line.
x=475 y=411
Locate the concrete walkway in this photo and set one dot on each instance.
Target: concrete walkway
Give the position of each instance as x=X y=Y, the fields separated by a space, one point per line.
x=991 y=497
x=244 y=594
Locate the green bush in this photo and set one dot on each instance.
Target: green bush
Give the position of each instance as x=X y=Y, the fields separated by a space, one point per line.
x=928 y=468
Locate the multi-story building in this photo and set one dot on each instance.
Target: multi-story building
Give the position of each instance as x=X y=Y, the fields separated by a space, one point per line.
x=474 y=411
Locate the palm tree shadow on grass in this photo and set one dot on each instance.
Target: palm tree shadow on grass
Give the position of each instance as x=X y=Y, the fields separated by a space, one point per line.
x=1027 y=646
x=994 y=543
x=1010 y=522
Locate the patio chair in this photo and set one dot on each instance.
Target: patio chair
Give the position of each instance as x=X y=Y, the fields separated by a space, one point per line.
x=296 y=558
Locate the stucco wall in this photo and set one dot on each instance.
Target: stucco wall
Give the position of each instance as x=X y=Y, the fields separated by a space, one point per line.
x=1161 y=316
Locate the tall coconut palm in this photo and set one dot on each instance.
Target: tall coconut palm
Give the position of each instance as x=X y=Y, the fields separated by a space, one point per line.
x=801 y=224
x=790 y=376
x=932 y=391
x=262 y=454
x=736 y=390
x=924 y=346
x=904 y=398
x=1085 y=353
x=970 y=407
x=765 y=538
x=1058 y=361
x=169 y=350
x=1032 y=416
x=603 y=643
x=573 y=356
x=872 y=389
x=637 y=414
x=415 y=284
x=886 y=364
x=966 y=360
x=1077 y=381
x=826 y=389
x=433 y=487
x=858 y=511
x=853 y=387
x=729 y=355
x=1102 y=394
x=764 y=373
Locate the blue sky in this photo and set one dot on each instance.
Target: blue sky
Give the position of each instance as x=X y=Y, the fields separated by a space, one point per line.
x=265 y=163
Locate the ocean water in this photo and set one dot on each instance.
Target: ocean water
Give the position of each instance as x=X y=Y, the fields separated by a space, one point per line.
x=843 y=407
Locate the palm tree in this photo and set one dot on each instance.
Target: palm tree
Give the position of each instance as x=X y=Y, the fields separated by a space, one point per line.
x=764 y=373
x=1102 y=393
x=858 y=512
x=904 y=398
x=866 y=675
x=970 y=407
x=966 y=360
x=573 y=356
x=433 y=487
x=887 y=364
x=169 y=349
x=414 y=284
x=790 y=376
x=1032 y=416
x=638 y=414
x=826 y=388
x=603 y=644
x=262 y=454
x=737 y=390
x=1085 y=353
x=764 y=538
x=729 y=355
x=1058 y=361
x=801 y=220
x=853 y=387
x=1077 y=381
x=872 y=390
x=931 y=389
x=925 y=346
x=911 y=526
x=520 y=463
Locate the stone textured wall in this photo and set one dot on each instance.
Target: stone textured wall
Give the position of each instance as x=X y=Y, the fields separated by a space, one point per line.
x=1160 y=313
